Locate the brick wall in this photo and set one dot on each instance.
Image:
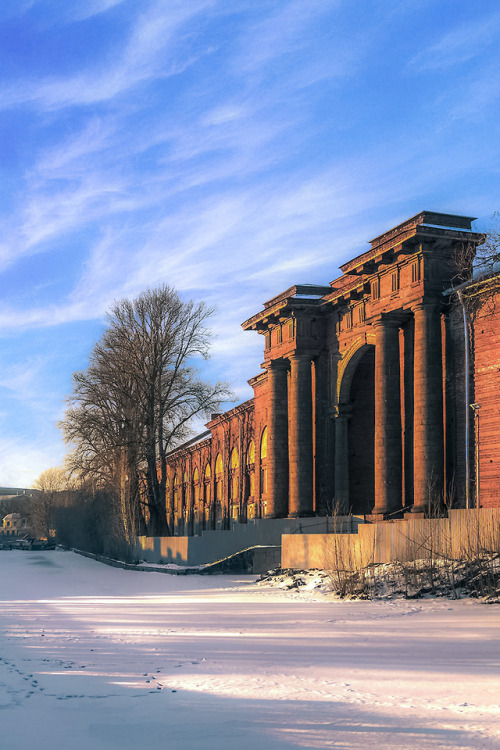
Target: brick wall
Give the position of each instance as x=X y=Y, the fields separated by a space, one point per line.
x=487 y=394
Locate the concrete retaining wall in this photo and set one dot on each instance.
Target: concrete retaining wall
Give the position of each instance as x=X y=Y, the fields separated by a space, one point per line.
x=465 y=533
x=214 y=545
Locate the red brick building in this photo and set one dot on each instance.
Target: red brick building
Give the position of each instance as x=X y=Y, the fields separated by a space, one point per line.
x=361 y=403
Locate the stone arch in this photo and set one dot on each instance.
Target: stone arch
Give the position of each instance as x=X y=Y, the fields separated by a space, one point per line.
x=355 y=429
x=348 y=364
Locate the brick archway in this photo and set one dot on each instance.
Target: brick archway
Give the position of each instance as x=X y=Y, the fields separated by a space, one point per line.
x=361 y=434
x=349 y=363
x=355 y=431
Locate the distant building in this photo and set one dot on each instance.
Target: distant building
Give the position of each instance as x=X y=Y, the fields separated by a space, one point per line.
x=361 y=405
x=14 y=524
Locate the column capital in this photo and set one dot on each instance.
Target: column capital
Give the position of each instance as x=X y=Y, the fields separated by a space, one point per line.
x=300 y=357
x=388 y=320
x=277 y=365
x=430 y=305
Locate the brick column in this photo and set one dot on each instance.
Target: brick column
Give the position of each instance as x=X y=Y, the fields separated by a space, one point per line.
x=323 y=464
x=301 y=442
x=428 y=407
x=277 y=440
x=342 y=414
x=388 y=449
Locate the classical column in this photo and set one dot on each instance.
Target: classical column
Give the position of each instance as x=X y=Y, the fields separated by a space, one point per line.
x=388 y=449
x=323 y=463
x=342 y=414
x=428 y=407
x=277 y=440
x=300 y=438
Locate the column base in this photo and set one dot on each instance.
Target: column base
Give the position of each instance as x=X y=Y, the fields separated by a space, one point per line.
x=267 y=516
x=374 y=517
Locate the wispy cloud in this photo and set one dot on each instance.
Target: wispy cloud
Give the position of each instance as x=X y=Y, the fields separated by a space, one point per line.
x=71 y=156
x=151 y=51
x=281 y=32
x=68 y=12
x=77 y=12
x=459 y=45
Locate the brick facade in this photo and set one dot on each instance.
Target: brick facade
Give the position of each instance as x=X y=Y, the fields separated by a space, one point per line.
x=487 y=395
x=360 y=405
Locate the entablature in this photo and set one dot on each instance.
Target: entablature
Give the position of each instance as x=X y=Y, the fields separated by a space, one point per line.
x=434 y=230
x=258 y=379
x=300 y=298
x=226 y=416
x=190 y=446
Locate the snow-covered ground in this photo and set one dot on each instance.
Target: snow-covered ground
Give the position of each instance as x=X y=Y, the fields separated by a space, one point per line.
x=93 y=657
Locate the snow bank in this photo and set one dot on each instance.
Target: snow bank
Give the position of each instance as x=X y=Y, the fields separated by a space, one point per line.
x=478 y=578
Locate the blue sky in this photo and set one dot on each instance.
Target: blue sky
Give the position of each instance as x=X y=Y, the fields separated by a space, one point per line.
x=228 y=148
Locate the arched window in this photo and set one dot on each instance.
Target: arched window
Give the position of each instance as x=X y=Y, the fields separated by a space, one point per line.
x=207 y=488
x=218 y=478
x=177 y=496
x=235 y=475
x=263 y=443
x=248 y=509
x=207 y=493
x=168 y=490
x=196 y=488
x=263 y=462
x=251 y=468
x=185 y=493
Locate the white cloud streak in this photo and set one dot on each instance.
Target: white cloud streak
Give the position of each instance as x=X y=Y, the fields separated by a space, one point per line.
x=458 y=46
x=150 y=52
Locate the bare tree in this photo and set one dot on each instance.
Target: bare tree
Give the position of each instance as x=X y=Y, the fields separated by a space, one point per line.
x=477 y=271
x=135 y=401
x=42 y=506
x=488 y=253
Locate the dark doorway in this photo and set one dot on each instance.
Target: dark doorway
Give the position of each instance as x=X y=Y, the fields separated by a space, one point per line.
x=362 y=434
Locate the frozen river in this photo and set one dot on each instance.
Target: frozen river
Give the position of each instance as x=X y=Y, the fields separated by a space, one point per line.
x=98 y=658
